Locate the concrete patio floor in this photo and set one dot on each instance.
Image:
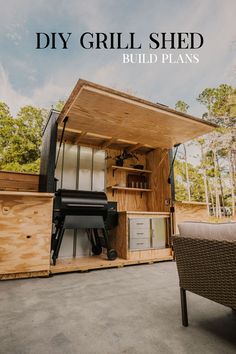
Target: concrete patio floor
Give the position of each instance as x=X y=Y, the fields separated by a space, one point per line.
x=123 y=310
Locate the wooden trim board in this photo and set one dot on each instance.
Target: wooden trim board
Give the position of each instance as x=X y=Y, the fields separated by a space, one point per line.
x=99 y=262
x=18 y=181
x=26 y=194
x=142 y=214
x=25 y=275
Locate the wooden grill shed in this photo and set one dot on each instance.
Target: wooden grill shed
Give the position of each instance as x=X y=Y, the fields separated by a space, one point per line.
x=105 y=119
x=96 y=125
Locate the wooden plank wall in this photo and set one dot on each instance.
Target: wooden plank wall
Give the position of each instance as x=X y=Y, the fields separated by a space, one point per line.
x=17 y=181
x=158 y=162
x=119 y=236
x=126 y=200
x=190 y=212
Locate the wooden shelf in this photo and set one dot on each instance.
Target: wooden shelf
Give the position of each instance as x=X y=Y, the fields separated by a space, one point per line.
x=131 y=189
x=141 y=190
x=130 y=169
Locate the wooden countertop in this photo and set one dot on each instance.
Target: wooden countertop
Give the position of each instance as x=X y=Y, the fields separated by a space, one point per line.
x=26 y=194
x=145 y=212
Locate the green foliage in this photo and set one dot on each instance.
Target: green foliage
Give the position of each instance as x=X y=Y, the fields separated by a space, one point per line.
x=180 y=186
x=232 y=104
x=216 y=100
x=20 y=139
x=32 y=167
x=196 y=182
x=6 y=126
x=181 y=106
x=214 y=180
x=59 y=105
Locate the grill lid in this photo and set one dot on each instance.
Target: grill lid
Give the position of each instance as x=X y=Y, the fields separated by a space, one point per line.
x=74 y=202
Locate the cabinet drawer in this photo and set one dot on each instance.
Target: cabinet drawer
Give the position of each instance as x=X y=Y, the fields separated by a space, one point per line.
x=139 y=223
x=139 y=243
x=139 y=233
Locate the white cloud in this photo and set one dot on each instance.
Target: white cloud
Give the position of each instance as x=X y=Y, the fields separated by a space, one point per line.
x=14 y=36
x=48 y=94
x=43 y=96
x=9 y=95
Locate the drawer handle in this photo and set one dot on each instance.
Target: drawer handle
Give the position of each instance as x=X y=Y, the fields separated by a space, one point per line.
x=140 y=243
x=140 y=223
x=28 y=236
x=139 y=233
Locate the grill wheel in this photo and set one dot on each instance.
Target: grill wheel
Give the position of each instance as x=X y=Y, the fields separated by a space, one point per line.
x=111 y=254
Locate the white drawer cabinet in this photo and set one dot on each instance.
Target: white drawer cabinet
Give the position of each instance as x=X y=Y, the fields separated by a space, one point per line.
x=147 y=233
x=139 y=233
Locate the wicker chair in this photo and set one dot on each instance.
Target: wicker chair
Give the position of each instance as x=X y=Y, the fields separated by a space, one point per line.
x=206 y=262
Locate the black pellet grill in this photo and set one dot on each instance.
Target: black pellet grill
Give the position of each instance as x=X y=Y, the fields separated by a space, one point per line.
x=88 y=210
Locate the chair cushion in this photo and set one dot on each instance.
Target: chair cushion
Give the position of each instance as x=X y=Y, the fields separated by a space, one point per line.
x=221 y=231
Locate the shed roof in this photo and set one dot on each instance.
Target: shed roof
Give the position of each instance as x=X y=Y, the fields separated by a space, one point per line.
x=105 y=117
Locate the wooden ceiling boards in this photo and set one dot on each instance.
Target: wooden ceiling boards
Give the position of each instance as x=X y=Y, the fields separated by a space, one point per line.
x=113 y=115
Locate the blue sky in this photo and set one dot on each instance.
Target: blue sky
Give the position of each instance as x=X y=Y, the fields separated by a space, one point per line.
x=41 y=77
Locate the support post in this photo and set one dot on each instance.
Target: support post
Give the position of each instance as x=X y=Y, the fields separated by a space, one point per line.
x=184 y=307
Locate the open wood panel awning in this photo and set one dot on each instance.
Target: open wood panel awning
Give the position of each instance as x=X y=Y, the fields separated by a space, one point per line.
x=104 y=117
